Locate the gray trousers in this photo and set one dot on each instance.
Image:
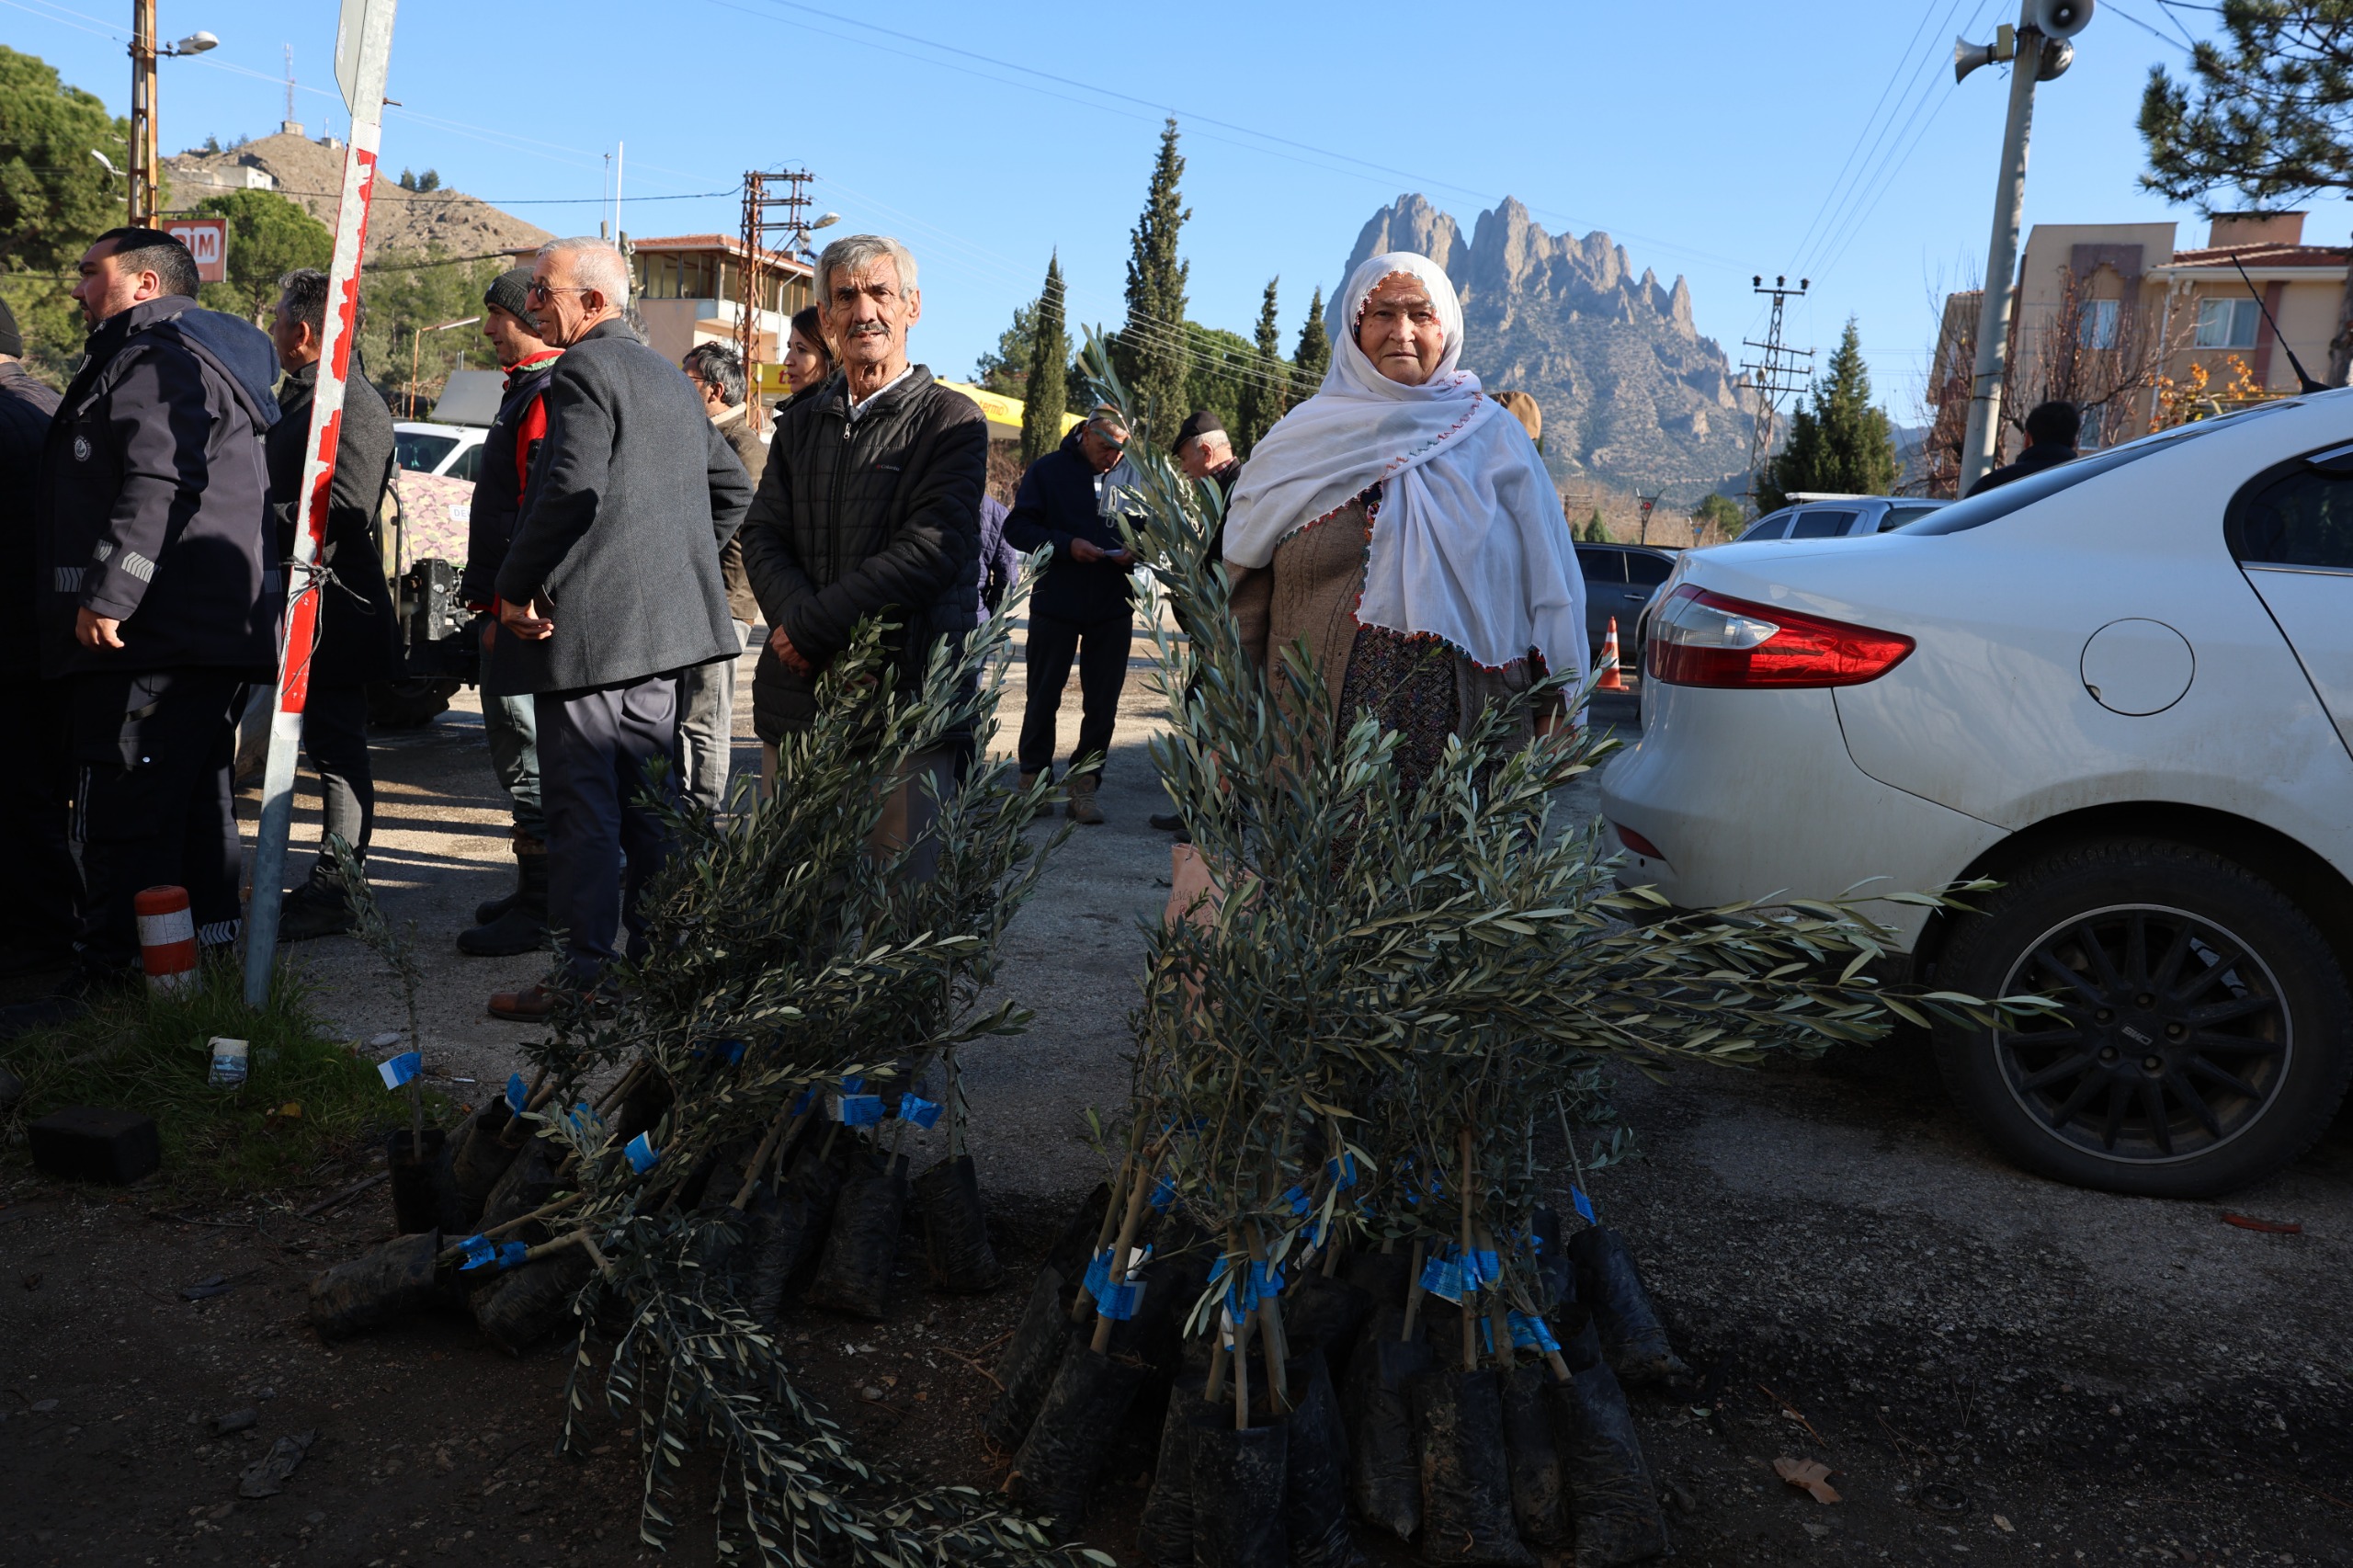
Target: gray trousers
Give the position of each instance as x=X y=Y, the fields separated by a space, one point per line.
x=595 y=750
x=707 y=726
x=512 y=727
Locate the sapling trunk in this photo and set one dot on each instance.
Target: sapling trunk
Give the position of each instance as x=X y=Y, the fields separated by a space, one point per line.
x=1413 y=1291
x=1214 y=1389
x=1128 y=1229
x=1270 y=1333
x=1470 y=1296
x=760 y=1156
x=1241 y=1372
x=1109 y=1228
x=1498 y=1308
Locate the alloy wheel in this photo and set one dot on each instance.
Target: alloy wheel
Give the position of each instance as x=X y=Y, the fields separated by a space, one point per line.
x=2173 y=1039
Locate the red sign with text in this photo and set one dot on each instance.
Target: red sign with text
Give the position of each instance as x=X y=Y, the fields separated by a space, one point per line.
x=206 y=240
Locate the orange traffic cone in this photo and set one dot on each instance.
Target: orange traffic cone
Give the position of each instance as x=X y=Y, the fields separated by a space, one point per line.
x=1610 y=680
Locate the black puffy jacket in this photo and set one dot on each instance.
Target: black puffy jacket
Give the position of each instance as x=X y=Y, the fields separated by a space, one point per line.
x=357 y=641
x=875 y=517
x=154 y=504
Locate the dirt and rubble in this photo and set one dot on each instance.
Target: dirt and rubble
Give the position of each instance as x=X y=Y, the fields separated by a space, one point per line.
x=1991 y=1367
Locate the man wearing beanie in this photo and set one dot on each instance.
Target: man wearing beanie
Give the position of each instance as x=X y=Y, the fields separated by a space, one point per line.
x=160 y=586
x=516 y=922
x=38 y=878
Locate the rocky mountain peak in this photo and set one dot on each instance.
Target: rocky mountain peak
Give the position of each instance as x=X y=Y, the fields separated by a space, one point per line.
x=1632 y=393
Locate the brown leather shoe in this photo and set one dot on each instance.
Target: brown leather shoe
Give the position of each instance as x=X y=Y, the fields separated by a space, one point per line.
x=530 y=1005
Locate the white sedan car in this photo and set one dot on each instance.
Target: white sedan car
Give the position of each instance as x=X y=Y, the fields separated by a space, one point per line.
x=2123 y=688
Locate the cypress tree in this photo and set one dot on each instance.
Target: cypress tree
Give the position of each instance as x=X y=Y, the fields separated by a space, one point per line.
x=1838 y=442
x=1041 y=413
x=1266 y=394
x=1150 y=352
x=1314 y=353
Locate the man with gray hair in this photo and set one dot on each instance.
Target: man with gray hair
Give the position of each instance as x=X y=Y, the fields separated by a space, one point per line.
x=708 y=724
x=870 y=509
x=611 y=586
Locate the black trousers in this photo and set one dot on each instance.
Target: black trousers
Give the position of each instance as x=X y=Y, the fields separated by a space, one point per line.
x=1101 y=648
x=40 y=886
x=595 y=749
x=152 y=802
x=334 y=735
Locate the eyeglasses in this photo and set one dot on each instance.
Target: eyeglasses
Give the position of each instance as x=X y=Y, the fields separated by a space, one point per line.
x=549 y=290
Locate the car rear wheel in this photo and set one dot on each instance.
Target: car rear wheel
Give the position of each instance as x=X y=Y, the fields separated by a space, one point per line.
x=2201 y=1040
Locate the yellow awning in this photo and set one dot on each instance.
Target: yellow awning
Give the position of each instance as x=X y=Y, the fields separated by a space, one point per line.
x=1004 y=413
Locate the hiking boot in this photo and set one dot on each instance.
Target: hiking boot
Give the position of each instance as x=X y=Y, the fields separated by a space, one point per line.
x=522 y=926
x=1045 y=806
x=526 y=846
x=1167 y=822
x=315 y=909
x=1083 y=809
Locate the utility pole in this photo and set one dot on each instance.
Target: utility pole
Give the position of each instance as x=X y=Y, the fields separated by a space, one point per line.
x=1775 y=376
x=793 y=201
x=146 y=199
x=2038 y=51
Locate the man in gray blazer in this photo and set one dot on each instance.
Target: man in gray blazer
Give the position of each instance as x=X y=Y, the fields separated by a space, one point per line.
x=611 y=584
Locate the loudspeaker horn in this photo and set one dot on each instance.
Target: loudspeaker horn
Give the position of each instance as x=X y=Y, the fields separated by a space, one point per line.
x=2061 y=18
x=1968 y=56
x=2057 y=55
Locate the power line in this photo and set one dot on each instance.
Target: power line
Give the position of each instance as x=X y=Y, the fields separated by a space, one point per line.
x=1854 y=147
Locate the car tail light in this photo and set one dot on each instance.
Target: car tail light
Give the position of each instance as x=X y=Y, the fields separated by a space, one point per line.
x=1636 y=842
x=1703 y=639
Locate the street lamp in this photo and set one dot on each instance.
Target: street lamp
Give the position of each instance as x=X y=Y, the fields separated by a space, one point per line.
x=146 y=165
x=2039 y=51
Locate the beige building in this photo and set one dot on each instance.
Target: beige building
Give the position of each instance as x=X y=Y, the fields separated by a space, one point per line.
x=690 y=289
x=2115 y=319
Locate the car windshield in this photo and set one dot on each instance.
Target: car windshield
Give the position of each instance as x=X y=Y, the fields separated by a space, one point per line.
x=420 y=451
x=1976 y=511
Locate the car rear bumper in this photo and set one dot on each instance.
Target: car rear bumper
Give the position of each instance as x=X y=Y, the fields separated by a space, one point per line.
x=1749 y=795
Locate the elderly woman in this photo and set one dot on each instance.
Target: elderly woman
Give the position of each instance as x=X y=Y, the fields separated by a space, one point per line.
x=1400 y=523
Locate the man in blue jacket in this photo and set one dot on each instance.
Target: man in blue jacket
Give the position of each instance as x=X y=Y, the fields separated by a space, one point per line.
x=1083 y=606
x=161 y=590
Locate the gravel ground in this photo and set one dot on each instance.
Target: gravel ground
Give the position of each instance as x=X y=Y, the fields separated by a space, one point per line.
x=1994 y=1366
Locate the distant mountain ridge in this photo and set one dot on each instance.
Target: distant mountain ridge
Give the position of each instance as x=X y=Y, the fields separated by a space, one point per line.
x=1632 y=395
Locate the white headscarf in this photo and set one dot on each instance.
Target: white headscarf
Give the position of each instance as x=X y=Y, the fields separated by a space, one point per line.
x=1470 y=544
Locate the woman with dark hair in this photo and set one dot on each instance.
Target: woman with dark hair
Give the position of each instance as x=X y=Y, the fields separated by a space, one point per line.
x=1400 y=523
x=808 y=359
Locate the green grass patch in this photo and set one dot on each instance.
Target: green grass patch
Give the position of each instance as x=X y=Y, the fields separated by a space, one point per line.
x=151 y=1054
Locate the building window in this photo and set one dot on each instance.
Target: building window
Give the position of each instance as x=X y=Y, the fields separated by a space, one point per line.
x=2095 y=328
x=2226 y=324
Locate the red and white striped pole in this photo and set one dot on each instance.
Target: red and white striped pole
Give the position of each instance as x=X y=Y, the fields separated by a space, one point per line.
x=363 y=48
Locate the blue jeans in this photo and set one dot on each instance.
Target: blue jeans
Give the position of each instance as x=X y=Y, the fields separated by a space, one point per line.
x=513 y=726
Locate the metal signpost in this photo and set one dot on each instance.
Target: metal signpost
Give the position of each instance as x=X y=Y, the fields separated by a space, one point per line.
x=362 y=47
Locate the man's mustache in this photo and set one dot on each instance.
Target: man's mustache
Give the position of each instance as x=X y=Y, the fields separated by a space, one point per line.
x=870 y=329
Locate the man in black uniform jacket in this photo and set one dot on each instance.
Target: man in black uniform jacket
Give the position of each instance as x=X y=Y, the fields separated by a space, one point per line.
x=161 y=589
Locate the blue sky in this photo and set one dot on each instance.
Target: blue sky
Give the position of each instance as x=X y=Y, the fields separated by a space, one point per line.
x=1716 y=140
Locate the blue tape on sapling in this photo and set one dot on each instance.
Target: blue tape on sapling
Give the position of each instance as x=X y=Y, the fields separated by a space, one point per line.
x=1163 y=1195
x=512 y=1253
x=517 y=1094
x=1297 y=1198
x=398 y=1070
x=1098 y=1273
x=476 y=1252
x=919 y=1111
x=1442 y=1277
x=1531 y=1333
x=642 y=1155
x=1342 y=1168
x=1584 y=1204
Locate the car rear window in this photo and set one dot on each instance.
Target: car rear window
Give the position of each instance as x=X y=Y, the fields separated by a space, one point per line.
x=1771 y=528
x=1821 y=525
x=420 y=451
x=1976 y=511
x=1602 y=565
x=1647 y=570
